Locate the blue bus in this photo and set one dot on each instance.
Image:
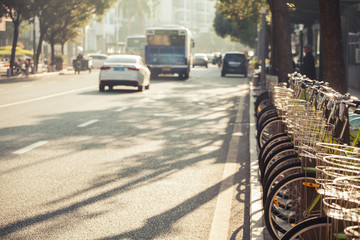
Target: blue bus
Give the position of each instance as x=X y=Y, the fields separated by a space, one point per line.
x=168 y=50
x=135 y=44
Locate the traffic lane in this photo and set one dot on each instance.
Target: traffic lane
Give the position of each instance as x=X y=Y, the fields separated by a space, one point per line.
x=113 y=165
x=40 y=86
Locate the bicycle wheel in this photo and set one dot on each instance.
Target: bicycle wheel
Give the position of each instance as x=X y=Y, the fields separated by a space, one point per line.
x=318 y=228
x=281 y=173
x=288 y=201
x=273 y=140
x=262 y=101
x=265 y=119
x=267 y=110
x=273 y=149
x=285 y=160
x=269 y=129
x=274 y=157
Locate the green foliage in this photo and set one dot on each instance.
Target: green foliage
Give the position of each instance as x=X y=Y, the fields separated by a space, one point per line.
x=238 y=19
x=240 y=9
x=135 y=11
x=63 y=20
x=17 y=11
x=240 y=25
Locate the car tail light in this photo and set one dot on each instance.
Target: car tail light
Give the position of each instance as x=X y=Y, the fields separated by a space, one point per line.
x=133 y=68
x=104 y=68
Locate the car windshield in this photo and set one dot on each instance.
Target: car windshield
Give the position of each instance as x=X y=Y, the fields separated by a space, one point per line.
x=120 y=60
x=234 y=57
x=98 y=57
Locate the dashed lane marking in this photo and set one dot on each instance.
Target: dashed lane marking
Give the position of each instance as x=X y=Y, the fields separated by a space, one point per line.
x=88 y=123
x=121 y=109
x=30 y=147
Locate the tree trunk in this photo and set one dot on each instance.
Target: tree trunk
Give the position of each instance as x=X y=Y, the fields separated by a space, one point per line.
x=332 y=45
x=16 y=23
x=39 y=49
x=274 y=69
x=283 y=40
x=14 y=44
x=52 y=44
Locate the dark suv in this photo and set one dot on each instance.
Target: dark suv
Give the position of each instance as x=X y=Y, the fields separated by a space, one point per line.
x=234 y=63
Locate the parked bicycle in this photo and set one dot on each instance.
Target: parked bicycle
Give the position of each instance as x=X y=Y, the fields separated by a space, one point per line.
x=291 y=121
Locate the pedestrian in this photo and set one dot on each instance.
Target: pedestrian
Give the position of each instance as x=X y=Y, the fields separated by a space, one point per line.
x=27 y=66
x=308 y=65
x=79 y=57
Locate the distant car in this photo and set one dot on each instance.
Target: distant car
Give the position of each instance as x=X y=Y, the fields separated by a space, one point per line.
x=96 y=60
x=200 y=59
x=125 y=70
x=234 y=63
x=4 y=67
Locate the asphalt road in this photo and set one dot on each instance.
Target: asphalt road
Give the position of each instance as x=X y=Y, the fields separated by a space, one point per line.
x=171 y=162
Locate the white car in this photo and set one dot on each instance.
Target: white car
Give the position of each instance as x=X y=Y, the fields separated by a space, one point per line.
x=125 y=70
x=96 y=60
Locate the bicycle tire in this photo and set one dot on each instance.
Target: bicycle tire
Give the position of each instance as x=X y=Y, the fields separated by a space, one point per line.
x=272 y=140
x=312 y=227
x=269 y=110
x=264 y=119
x=285 y=203
x=279 y=164
x=269 y=129
x=262 y=100
x=274 y=157
x=273 y=149
x=280 y=174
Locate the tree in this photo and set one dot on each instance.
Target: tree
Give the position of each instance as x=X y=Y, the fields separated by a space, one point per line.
x=136 y=10
x=61 y=20
x=240 y=30
x=332 y=45
x=18 y=11
x=281 y=31
x=238 y=19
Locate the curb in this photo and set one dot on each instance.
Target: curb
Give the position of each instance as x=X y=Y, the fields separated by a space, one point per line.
x=257 y=227
x=39 y=74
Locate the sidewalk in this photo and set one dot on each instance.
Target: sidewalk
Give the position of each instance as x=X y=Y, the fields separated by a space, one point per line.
x=257 y=226
x=38 y=74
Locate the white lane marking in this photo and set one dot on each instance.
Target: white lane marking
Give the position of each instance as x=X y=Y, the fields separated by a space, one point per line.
x=85 y=124
x=167 y=115
x=45 y=97
x=222 y=213
x=142 y=102
x=121 y=109
x=31 y=147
